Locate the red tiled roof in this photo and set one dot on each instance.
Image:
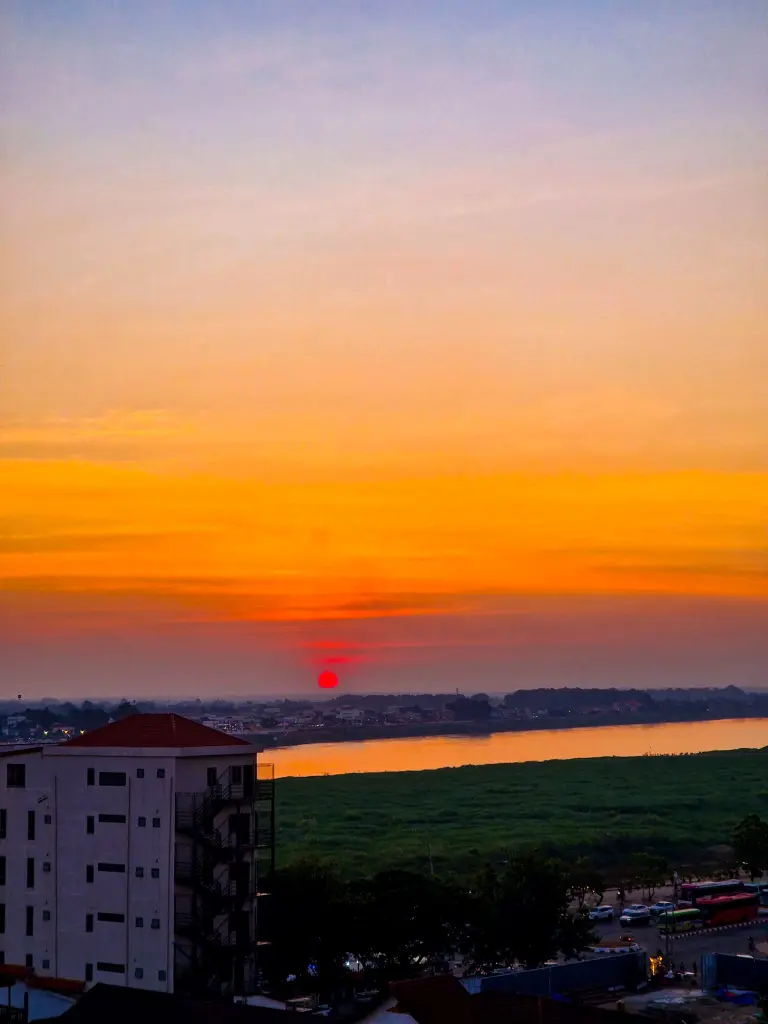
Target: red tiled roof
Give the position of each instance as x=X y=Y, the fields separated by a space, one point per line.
x=156 y=731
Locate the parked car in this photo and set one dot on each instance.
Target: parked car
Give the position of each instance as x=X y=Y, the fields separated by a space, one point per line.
x=636 y=914
x=662 y=907
x=602 y=913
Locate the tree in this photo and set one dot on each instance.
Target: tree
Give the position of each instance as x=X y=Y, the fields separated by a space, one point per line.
x=750 y=844
x=521 y=914
x=648 y=871
x=584 y=878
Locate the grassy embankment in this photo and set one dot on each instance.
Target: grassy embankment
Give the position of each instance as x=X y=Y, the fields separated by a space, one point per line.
x=683 y=807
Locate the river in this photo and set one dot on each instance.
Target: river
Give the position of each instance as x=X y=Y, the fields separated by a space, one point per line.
x=419 y=753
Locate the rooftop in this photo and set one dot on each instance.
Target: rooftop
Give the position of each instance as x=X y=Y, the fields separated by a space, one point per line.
x=161 y=730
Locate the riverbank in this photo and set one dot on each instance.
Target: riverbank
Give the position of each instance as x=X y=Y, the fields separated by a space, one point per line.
x=356 y=734
x=452 y=819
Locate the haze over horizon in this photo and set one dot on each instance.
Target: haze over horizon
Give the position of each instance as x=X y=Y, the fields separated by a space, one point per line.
x=422 y=342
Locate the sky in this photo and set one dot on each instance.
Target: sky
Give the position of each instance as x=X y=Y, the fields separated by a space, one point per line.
x=422 y=342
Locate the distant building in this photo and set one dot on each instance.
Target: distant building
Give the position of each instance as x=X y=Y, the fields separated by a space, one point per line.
x=131 y=855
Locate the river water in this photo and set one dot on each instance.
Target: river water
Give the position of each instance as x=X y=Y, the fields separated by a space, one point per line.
x=416 y=754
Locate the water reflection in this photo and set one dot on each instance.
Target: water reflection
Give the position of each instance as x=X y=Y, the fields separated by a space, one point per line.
x=543 y=745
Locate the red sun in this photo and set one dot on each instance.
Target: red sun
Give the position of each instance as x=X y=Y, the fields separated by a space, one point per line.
x=327 y=680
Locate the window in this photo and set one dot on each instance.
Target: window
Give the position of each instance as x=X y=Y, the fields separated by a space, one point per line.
x=29 y=960
x=30 y=872
x=91 y=777
x=89 y=922
x=139 y=972
x=89 y=972
x=2 y=918
x=116 y=868
x=212 y=776
x=142 y=821
x=46 y=915
x=161 y=975
x=155 y=926
x=89 y=824
x=155 y=872
x=139 y=922
x=16 y=776
x=236 y=775
x=139 y=872
x=155 y=823
x=111 y=918
x=46 y=867
x=2 y=870
x=3 y=823
x=111 y=778
x=46 y=965
x=2 y=957
x=47 y=819
x=161 y=773
x=30 y=825
x=112 y=819
x=139 y=773
x=89 y=872
x=103 y=965
x=30 y=920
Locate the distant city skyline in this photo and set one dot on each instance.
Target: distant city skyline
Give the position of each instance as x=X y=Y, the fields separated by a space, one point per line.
x=422 y=343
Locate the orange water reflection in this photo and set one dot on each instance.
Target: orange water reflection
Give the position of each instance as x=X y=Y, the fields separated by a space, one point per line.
x=543 y=745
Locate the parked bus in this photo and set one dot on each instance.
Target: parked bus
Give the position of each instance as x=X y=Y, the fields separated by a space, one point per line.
x=679 y=920
x=691 y=892
x=735 y=909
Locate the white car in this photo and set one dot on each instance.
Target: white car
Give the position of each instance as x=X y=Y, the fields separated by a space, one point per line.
x=602 y=913
x=636 y=913
x=662 y=907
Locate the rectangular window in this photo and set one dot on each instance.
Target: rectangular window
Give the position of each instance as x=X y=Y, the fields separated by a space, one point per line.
x=30 y=872
x=139 y=922
x=3 y=823
x=2 y=870
x=46 y=915
x=139 y=972
x=212 y=776
x=155 y=926
x=30 y=825
x=91 y=776
x=161 y=975
x=2 y=957
x=107 y=866
x=16 y=776
x=103 y=965
x=142 y=821
x=161 y=773
x=30 y=920
x=46 y=867
x=236 y=775
x=139 y=872
x=139 y=773
x=155 y=823
x=46 y=965
x=90 y=823
x=47 y=819
x=112 y=819
x=29 y=960
x=89 y=922
x=89 y=972
x=89 y=872
x=111 y=918
x=155 y=872
x=112 y=778
x=2 y=918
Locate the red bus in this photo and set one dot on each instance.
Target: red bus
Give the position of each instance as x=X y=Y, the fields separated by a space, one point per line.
x=691 y=892
x=735 y=909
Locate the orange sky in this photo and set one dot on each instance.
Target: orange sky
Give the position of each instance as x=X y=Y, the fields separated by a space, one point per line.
x=381 y=324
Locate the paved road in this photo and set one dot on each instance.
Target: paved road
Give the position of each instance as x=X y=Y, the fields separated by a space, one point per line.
x=693 y=946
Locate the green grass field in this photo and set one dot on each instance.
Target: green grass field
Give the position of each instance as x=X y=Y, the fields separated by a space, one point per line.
x=681 y=806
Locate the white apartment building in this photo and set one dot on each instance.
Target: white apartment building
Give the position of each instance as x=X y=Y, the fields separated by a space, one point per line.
x=131 y=855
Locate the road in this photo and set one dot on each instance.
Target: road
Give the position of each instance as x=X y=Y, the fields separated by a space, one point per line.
x=693 y=946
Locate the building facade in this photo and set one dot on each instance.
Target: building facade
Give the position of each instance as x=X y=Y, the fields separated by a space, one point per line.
x=132 y=855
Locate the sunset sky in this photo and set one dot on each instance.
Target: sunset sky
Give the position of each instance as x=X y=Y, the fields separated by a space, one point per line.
x=423 y=341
